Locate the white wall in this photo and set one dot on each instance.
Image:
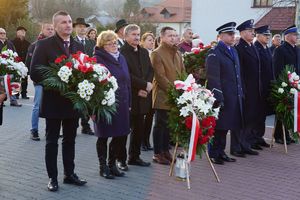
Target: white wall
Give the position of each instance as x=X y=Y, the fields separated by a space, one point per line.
x=207 y=15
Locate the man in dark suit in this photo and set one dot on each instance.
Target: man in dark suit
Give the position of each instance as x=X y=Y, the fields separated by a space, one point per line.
x=263 y=35
x=57 y=110
x=81 y=28
x=22 y=45
x=141 y=74
x=224 y=80
x=120 y=26
x=252 y=85
x=276 y=42
x=286 y=54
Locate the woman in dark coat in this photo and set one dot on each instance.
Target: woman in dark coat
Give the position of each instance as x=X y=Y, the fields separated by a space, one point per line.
x=106 y=53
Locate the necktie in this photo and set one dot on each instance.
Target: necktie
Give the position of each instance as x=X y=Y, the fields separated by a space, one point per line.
x=83 y=42
x=66 y=46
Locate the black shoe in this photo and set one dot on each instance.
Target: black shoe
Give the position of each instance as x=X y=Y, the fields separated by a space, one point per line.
x=87 y=131
x=105 y=172
x=35 y=135
x=73 y=179
x=122 y=166
x=227 y=158
x=52 y=185
x=290 y=140
x=138 y=162
x=217 y=161
x=238 y=154
x=114 y=170
x=256 y=147
x=25 y=97
x=251 y=152
x=15 y=104
x=264 y=144
x=144 y=148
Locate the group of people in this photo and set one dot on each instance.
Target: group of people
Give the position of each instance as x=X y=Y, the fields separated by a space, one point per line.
x=238 y=74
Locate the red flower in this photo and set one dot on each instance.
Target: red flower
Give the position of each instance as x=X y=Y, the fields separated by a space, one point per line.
x=209 y=122
x=203 y=140
x=201 y=46
x=196 y=51
x=60 y=59
x=4 y=56
x=18 y=59
x=188 y=122
x=85 y=69
x=69 y=64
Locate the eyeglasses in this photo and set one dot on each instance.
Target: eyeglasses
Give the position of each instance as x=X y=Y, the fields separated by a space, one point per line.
x=2 y=33
x=112 y=44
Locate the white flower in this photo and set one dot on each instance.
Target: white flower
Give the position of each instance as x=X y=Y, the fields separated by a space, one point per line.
x=82 y=95
x=104 y=102
x=293 y=90
x=296 y=78
x=280 y=90
x=88 y=98
x=185 y=111
x=283 y=84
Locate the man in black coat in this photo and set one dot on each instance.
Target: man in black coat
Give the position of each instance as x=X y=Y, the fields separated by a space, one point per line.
x=286 y=54
x=141 y=74
x=80 y=27
x=224 y=80
x=22 y=45
x=57 y=110
x=263 y=35
x=252 y=85
x=276 y=42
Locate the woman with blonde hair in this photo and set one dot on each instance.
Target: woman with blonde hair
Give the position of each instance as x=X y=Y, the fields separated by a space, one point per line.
x=107 y=53
x=147 y=41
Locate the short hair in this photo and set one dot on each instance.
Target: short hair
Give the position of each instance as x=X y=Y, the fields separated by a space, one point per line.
x=130 y=28
x=164 y=29
x=276 y=35
x=59 y=13
x=187 y=29
x=106 y=36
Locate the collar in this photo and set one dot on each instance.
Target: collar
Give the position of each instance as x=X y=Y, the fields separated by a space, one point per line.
x=131 y=47
x=62 y=40
x=80 y=38
x=171 y=48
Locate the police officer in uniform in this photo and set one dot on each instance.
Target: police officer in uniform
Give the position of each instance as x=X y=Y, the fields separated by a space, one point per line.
x=263 y=35
x=252 y=85
x=224 y=80
x=286 y=54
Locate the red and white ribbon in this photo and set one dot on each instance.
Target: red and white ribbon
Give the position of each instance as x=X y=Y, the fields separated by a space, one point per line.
x=185 y=85
x=296 y=112
x=7 y=86
x=194 y=138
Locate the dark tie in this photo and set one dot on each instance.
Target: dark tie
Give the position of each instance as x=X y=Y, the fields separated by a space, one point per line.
x=83 y=42
x=66 y=46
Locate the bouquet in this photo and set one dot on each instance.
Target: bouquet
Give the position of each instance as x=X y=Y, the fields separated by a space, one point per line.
x=194 y=62
x=10 y=63
x=282 y=97
x=188 y=101
x=89 y=85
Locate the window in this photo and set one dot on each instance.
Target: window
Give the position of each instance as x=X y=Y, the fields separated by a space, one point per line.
x=263 y=3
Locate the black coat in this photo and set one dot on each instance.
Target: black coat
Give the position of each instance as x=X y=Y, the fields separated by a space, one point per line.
x=252 y=85
x=21 y=48
x=88 y=47
x=53 y=105
x=267 y=74
x=141 y=72
x=8 y=44
x=284 y=55
x=224 y=79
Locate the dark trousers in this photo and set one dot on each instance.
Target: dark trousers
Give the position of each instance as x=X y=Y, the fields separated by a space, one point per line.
x=259 y=132
x=247 y=138
x=216 y=149
x=235 y=141
x=278 y=132
x=137 y=130
x=113 y=151
x=148 y=128
x=24 y=85
x=85 y=123
x=161 y=133
x=122 y=154
x=69 y=127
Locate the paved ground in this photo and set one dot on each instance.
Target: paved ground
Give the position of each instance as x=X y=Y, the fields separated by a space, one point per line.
x=272 y=175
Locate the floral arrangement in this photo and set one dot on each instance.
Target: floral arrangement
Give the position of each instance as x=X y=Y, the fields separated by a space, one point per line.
x=10 y=63
x=194 y=62
x=282 y=97
x=188 y=99
x=89 y=85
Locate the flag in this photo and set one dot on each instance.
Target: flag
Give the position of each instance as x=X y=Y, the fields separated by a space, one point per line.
x=194 y=138
x=296 y=112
